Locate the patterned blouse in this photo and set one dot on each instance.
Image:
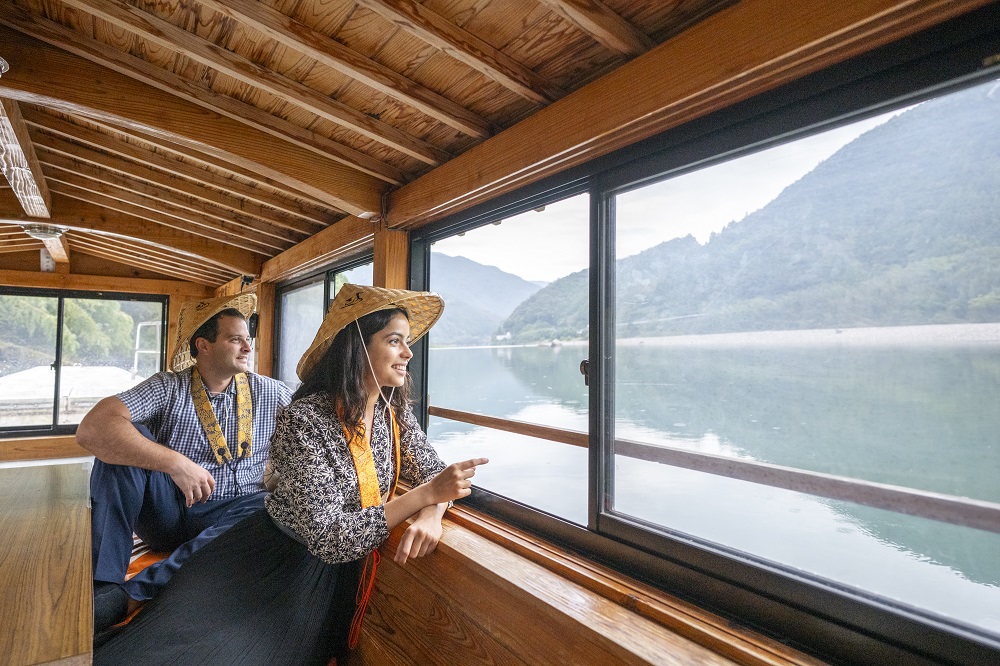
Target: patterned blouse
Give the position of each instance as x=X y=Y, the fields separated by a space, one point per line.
x=318 y=498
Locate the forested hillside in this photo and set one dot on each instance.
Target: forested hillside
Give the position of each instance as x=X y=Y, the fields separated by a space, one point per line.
x=477 y=298
x=98 y=332
x=900 y=226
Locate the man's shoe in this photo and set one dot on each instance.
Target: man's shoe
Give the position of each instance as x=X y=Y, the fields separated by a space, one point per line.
x=110 y=605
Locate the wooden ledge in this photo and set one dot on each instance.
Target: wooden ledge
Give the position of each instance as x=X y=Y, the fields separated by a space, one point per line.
x=494 y=594
x=41 y=448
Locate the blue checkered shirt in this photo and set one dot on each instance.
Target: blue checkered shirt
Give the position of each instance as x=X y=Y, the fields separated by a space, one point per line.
x=163 y=404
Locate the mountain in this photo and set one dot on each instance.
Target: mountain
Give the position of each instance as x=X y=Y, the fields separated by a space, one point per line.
x=861 y=240
x=477 y=299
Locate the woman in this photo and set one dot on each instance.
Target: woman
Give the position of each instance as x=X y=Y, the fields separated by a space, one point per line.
x=282 y=586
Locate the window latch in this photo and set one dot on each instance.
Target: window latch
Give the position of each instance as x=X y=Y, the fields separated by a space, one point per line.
x=585 y=371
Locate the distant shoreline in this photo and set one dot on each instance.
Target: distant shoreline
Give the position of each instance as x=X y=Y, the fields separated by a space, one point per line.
x=943 y=335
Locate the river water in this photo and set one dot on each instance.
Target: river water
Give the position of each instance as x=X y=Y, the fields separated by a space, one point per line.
x=914 y=408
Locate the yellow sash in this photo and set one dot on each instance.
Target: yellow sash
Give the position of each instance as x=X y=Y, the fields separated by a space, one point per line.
x=364 y=462
x=210 y=424
x=364 y=466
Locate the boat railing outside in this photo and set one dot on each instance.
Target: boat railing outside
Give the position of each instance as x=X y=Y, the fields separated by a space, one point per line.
x=921 y=503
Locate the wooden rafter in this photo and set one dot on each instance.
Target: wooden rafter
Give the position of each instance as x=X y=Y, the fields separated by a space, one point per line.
x=465 y=47
x=604 y=25
x=54 y=78
x=68 y=170
x=145 y=208
x=78 y=215
x=333 y=54
x=19 y=163
x=112 y=144
x=149 y=258
x=210 y=202
x=198 y=93
x=157 y=31
x=614 y=112
x=294 y=202
x=343 y=239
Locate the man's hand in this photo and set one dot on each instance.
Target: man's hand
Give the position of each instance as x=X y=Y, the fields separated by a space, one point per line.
x=194 y=480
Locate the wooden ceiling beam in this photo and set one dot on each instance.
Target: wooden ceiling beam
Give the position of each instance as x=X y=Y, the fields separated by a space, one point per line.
x=78 y=282
x=604 y=25
x=712 y=66
x=316 y=209
x=465 y=47
x=58 y=249
x=19 y=163
x=214 y=203
x=155 y=30
x=52 y=77
x=77 y=172
x=142 y=208
x=343 y=239
x=147 y=259
x=78 y=215
x=328 y=51
x=9 y=247
x=198 y=93
x=112 y=144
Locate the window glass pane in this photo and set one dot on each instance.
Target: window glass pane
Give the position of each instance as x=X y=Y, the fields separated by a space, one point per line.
x=27 y=352
x=509 y=345
x=358 y=275
x=301 y=314
x=107 y=347
x=831 y=305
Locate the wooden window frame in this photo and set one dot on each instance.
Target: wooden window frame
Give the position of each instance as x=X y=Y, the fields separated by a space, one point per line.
x=824 y=619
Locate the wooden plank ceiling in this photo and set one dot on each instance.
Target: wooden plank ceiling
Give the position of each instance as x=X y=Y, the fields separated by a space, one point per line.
x=195 y=139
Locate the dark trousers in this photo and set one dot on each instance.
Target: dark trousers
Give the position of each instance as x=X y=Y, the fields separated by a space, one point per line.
x=130 y=499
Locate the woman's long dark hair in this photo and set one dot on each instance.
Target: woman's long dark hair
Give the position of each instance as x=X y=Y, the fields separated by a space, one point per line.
x=342 y=370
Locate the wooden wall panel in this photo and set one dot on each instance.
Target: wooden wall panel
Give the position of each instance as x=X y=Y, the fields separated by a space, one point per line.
x=477 y=601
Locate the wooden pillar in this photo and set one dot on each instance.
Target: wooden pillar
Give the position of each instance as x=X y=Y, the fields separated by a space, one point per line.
x=264 y=346
x=173 y=317
x=392 y=253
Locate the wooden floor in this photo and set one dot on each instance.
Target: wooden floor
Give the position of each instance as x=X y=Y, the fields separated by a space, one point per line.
x=46 y=604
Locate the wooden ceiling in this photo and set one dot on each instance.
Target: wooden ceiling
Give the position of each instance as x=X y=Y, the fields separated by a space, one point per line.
x=196 y=139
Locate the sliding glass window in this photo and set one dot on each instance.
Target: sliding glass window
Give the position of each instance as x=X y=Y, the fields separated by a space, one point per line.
x=60 y=354
x=302 y=306
x=807 y=357
x=504 y=379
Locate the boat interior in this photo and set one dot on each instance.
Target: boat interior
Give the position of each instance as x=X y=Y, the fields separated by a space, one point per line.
x=181 y=149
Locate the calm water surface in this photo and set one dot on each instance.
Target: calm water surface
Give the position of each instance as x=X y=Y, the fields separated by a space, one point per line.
x=922 y=417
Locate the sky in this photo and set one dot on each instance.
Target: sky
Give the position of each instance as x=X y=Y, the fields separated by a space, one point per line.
x=544 y=246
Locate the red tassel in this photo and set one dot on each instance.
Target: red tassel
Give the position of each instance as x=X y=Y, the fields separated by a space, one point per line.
x=365 y=587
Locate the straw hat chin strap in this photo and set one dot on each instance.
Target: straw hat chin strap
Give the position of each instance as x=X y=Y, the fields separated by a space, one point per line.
x=372 y=368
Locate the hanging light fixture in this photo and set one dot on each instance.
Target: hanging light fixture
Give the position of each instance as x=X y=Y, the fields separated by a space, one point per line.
x=3 y=66
x=43 y=232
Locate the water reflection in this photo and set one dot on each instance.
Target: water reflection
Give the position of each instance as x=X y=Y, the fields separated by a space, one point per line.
x=922 y=417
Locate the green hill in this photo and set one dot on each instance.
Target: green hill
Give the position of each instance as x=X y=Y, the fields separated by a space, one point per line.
x=861 y=240
x=477 y=298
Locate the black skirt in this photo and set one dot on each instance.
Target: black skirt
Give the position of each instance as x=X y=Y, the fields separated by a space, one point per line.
x=251 y=596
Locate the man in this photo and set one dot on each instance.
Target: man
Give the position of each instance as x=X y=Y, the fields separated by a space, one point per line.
x=194 y=464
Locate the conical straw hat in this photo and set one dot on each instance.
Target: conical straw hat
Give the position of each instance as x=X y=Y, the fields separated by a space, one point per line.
x=195 y=313
x=355 y=301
